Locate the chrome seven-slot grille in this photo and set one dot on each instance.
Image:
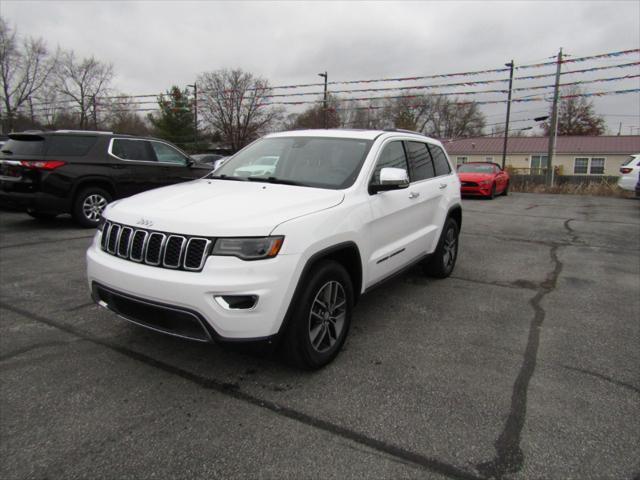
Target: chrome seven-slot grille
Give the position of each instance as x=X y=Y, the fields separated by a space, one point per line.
x=158 y=249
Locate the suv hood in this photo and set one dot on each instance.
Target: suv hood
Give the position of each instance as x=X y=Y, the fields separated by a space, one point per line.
x=217 y=208
x=475 y=177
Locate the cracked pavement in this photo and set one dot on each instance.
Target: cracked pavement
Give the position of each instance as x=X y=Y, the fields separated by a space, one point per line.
x=523 y=365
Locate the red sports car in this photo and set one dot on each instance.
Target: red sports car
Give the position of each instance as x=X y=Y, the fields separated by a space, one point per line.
x=486 y=179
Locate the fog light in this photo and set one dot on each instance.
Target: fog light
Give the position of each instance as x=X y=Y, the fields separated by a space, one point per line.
x=236 y=302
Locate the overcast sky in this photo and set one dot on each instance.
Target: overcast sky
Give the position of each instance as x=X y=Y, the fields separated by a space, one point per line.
x=153 y=45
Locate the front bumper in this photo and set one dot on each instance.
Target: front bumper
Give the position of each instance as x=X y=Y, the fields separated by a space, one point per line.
x=272 y=281
x=479 y=190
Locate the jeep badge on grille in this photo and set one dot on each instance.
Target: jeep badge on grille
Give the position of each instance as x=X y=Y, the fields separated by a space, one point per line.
x=145 y=222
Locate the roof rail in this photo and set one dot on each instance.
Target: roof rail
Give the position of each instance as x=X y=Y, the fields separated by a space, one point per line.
x=85 y=131
x=402 y=130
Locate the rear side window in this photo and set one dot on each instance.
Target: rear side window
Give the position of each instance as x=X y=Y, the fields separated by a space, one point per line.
x=70 y=145
x=391 y=157
x=419 y=161
x=132 y=150
x=166 y=154
x=24 y=147
x=439 y=160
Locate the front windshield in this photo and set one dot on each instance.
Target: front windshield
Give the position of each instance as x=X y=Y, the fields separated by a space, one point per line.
x=476 y=168
x=320 y=162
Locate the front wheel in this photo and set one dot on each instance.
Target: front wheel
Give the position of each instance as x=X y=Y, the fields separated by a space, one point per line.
x=506 y=190
x=492 y=195
x=321 y=317
x=88 y=206
x=443 y=260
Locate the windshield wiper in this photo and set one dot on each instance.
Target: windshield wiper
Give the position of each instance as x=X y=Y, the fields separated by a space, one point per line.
x=7 y=151
x=227 y=177
x=281 y=181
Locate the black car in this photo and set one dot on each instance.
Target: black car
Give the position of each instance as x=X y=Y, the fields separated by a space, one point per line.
x=79 y=172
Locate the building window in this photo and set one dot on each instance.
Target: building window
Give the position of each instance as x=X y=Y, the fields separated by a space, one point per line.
x=581 y=166
x=539 y=164
x=597 y=166
x=461 y=160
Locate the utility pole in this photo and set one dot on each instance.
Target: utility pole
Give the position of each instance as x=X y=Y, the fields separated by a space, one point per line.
x=620 y=129
x=506 y=126
x=553 y=130
x=324 y=103
x=95 y=112
x=195 y=113
x=33 y=122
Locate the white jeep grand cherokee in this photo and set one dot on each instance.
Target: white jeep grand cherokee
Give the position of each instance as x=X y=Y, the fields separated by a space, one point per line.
x=235 y=257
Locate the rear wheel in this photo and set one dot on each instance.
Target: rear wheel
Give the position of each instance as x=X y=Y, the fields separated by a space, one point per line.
x=321 y=317
x=89 y=204
x=443 y=260
x=505 y=192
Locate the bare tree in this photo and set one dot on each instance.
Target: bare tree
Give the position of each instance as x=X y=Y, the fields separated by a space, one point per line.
x=82 y=81
x=314 y=116
x=576 y=115
x=434 y=115
x=121 y=116
x=235 y=103
x=24 y=68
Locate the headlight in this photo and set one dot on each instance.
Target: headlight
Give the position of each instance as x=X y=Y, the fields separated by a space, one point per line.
x=248 y=248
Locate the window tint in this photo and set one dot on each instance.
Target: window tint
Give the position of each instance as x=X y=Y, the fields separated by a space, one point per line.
x=70 y=145
x=132 y=150
x=167 y=154
x=439 y=160
x=420 y=161
x=391 y=157
x=25 y=147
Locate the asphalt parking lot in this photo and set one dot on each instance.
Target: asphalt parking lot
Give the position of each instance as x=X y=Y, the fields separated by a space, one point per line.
x=524 y=364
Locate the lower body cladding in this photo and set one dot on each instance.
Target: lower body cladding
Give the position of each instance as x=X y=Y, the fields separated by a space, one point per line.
x=229 y=300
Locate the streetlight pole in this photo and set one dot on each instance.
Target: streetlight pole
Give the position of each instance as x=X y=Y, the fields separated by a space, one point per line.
x=553 y=130
x=506 y=127
x=195 y=113
x=324 y=103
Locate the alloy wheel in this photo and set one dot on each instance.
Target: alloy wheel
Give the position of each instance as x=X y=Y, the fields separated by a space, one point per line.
x=327 y=316
x=93 y=206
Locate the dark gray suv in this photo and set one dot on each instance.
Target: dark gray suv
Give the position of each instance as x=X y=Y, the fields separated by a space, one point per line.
x=80 y=172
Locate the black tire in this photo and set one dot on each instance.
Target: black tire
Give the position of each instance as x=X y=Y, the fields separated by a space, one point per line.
x=492 y=195
x=308 y=315
x=506 y=190
x=443 y=260
x=88 y=206
x=41 y=216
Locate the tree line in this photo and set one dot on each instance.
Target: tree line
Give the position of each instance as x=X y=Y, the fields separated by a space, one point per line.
x=45 y=89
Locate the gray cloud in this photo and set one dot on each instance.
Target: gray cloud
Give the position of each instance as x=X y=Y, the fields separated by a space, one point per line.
x=155 y=44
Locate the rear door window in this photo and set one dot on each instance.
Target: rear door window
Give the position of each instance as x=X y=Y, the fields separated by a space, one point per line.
x=28 y=146
x=439 y=160
x=70 y=145
x=419 y=161
x=132 y=150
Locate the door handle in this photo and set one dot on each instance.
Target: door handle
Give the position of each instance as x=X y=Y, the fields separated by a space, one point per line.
x=413 y=195
x=443 y=185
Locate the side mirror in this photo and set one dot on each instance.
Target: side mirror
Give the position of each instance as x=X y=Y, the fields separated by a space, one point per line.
x=391 y=179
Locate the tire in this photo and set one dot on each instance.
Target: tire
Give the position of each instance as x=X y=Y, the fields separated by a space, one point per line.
x=492 y=195
x=315 y=334
x=443 y=260
x=41 y=216
x=505 y=192
x=89 y=204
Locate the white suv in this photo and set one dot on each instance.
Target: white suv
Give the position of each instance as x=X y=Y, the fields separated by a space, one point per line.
x=287 y=255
